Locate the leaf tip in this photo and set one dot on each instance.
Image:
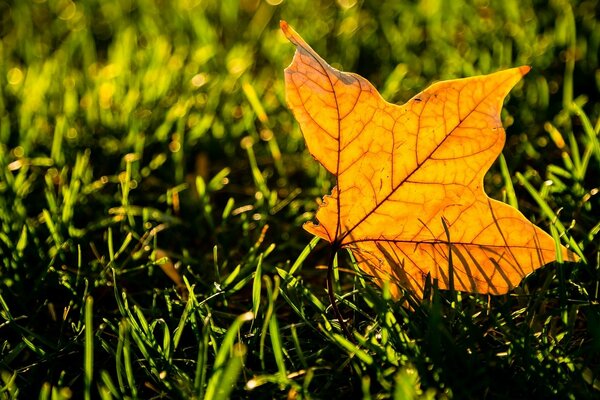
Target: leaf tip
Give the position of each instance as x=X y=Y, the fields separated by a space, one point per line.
x=292 y=35
x=288 y=31
x=283 y=25
x=524 y=69
x=318 y=230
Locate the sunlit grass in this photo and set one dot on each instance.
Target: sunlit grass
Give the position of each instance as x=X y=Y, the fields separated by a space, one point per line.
x=153 y=186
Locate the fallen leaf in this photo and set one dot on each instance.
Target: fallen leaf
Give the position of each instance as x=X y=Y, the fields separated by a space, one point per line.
x=409 y=200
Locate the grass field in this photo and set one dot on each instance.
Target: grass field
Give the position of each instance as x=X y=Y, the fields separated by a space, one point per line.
x=153 y=187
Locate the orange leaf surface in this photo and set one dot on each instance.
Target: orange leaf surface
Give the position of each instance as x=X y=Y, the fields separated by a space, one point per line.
x=409 y=199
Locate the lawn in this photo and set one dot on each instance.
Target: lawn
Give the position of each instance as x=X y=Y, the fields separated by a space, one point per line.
x=153 y=187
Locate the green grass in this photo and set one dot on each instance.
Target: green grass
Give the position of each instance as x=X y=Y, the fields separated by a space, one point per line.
x=153 y=186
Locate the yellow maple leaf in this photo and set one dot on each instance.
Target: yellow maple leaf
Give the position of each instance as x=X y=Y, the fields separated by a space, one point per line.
x=409 y=200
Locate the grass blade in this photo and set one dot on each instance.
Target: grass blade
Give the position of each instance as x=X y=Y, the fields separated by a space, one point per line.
x=88 y=366
x=215 y=388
